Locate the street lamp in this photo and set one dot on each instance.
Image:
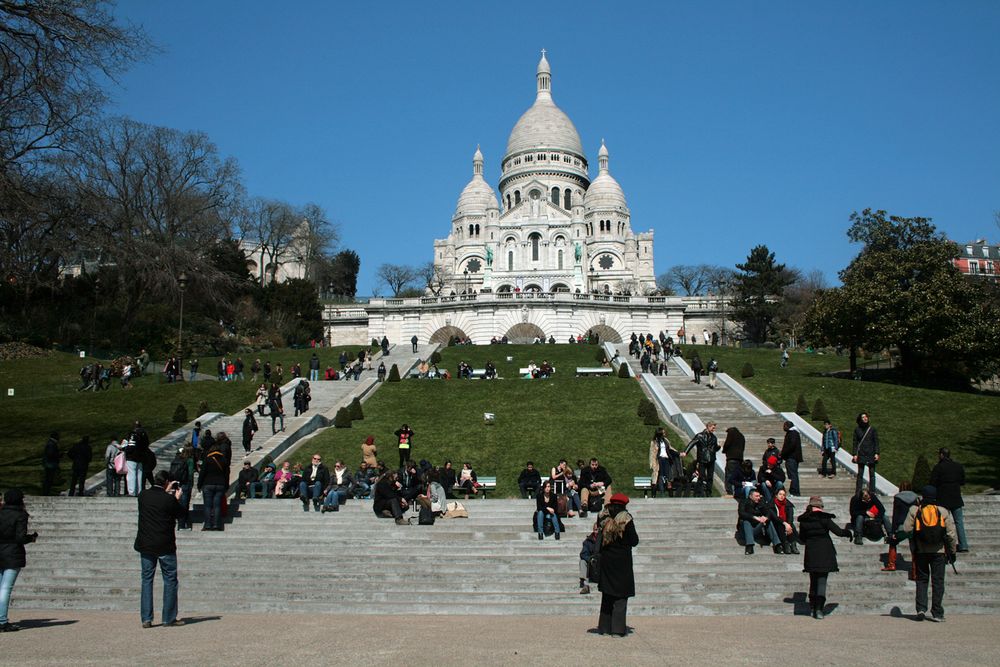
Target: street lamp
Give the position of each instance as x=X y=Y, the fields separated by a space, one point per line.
x=724 y=287
x=182 y=284
x=93 y=320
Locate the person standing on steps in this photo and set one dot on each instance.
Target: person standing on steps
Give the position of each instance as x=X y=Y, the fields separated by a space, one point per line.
x=156 y=542
x=249 y=430
x=405 y=439
x=713 y=370
x=314 y=368
x=901 y=504
x=815 y=526
x=866 y=451
x=706 y=445
x=791 y=454
x=696 y=368
x=831 y=444
x=934 y=541
x=617 y=537
x=733 y=449
x=949 y=478
x=50 y=463
x=81 y=455
x=13 y=536
x=413 y=341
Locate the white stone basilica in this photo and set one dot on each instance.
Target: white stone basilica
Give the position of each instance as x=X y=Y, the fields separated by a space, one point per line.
x=553 y=229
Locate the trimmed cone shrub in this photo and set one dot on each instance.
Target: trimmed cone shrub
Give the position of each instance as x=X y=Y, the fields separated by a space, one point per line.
x=435 y=357
x=599 y=356
x=393 y=374
x=343 y=418
x=819 y=411
x=203 y=408
x=921 y=473
x=354 y=409
x=623 y=370
x=180 y=414
x=648 y=413
x=747 y=371
x=801 y=407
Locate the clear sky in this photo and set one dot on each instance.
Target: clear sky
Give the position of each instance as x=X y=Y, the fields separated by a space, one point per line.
x=729 y=124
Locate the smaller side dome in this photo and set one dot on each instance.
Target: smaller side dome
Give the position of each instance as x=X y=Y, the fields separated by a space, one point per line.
x=604 y=192
x=477 y=197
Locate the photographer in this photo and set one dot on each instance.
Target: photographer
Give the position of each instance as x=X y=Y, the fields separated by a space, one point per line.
x=159 y=510
x=13 y=536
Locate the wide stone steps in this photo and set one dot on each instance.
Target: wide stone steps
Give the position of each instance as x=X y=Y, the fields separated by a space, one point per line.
x=492 y=563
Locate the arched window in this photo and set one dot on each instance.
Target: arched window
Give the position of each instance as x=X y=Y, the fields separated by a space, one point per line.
x=477 y=230
x=555 y=196
x=508 y=202
x=471 y=228
x=517 y=197
x=567 y=199
x=510 y=260
x=560 y=260
x=535 y=239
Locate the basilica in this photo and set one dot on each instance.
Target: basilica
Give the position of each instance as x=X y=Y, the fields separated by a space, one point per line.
x=553 y=229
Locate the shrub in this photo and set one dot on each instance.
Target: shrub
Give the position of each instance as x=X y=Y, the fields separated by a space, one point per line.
x=801 y=406
x=623 y=370
x=376 y=344
x=435 y=357
x=921 y=473
x=203 y=408
x=452 y=340
x=393 y=374
x=343 y=418
x=180 y=414
x=747 y=371
x=819 y=412
x=648 y=413
x=354 y=409
x=599 y=356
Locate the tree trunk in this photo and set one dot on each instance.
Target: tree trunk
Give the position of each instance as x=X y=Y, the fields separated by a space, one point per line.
x=854 y=359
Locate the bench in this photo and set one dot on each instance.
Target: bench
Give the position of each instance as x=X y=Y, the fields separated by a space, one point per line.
x=524 y=372
x=595 y=370
x=485 y=484
x=643 y=483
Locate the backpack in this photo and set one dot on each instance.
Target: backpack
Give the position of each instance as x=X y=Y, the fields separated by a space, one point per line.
x=120 y=463
x=928 y=528
x=426 y=517
x=179 y=471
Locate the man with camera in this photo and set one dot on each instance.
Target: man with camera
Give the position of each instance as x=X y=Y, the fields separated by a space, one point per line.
x=159 y=509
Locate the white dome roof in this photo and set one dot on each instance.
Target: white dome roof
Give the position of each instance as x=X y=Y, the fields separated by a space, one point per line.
x=477 y=197
x=604 y=192
x=544 y=125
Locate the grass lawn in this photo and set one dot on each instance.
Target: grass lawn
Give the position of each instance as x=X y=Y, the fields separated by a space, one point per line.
x=910 y=420
x=285 y=356
x=45 y=399
x=539 y=420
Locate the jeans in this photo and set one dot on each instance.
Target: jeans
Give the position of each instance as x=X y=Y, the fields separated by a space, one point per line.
x=706 y=477
x=362 y=489
x=540 y=522
x=959 y=515
x=829 y=455
x=752 y=532
x=313 y=374
x=112 y=483
x=612 y=617
x=859 y=524
x=185 y=520
x=261 y=489
x=191 y=376
x=768 y=492
x=7 y=580
x=732 y=465
x=212 y=495
x=168 y=570
x=528 y=489
x=133 y=477
x=275 y=415
x=307 y=491
x=792 y=470
x=861 y=477
x=930 y=567
x=335 y=499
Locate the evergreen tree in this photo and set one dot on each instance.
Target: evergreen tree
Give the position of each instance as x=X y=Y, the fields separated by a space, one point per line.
x=623 y=370
x=747 y=371
x=819 y=411
x=758 y=291
x=180 y=414
x=393 y=374
x=801 y=406
x=342 y=419
x=354 y=409
x=921 y=473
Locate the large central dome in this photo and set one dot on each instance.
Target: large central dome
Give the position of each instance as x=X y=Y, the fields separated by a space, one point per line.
x=544 y=125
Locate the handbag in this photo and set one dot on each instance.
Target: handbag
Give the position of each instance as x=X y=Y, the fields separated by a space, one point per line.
x=120 y=464
x=594 y=562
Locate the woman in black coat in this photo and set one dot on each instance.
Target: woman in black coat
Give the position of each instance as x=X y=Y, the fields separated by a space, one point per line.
x=546 y=507
x=820 y=560
x=13 y=536
x=616 y=537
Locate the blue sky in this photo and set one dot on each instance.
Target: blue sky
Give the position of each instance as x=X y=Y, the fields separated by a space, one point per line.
x=729 y=123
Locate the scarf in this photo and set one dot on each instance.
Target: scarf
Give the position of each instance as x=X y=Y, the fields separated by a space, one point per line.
x=782 y=508
x=613 y=527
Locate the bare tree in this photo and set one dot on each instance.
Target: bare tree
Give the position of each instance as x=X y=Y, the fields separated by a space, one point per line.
x=686 y=279
x=158 y=200
x=270 y=227
x=435 y=277
x=396 y=277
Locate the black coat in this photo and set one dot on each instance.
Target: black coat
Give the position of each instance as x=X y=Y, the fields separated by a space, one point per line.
x=814 y=532
x=860 y=507
x=13 y=537
x=385 y=492
x=949 y=477
x=735 y=445
x=791 y=448
x=617 y=576
x=158 y=514
x=866 y=446
x=214 y=470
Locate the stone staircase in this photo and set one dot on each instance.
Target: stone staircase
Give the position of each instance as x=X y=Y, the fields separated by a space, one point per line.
x=726 y=408
x=273 y=557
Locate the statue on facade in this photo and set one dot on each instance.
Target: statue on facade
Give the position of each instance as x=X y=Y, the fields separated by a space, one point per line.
x=489 y=256
x=578 y=252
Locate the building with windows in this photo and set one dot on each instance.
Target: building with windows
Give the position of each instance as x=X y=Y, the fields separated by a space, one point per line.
x=553 y=228
x=978 y=259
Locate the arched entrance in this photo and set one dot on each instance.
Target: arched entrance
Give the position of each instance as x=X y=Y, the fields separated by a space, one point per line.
x=444 y=334
x=560 y=287
x=525 y=333
x=532 y=288
x=605 y=333
x=504 y=288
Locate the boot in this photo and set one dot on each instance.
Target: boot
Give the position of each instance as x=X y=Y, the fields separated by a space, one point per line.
x=777 y=549
x=818 y=613
x=858 y=540
x=794 y=548
x=749 y=550
x=890 y=565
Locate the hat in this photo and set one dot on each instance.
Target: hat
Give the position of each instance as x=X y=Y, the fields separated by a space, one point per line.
x=772 y=460
x=815 y=501
x=929 y=492
x=619 y=499
x=15 y=498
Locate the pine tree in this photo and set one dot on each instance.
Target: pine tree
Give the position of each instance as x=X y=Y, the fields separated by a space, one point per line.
x=393 y=374
x=819 y=411
x=354 y=409
x=801 y=406
x=623 y=370
x=343 y=418
x=747 y=371
x=203 y=407
x=921 y=473
x=180 y=414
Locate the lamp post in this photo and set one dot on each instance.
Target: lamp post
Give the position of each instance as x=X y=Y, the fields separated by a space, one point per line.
x=182 y=284
x=724 y=290
x=93 y=314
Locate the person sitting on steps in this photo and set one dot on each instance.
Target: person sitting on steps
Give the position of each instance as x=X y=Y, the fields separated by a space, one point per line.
x=594 y=482
x=545 y=510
